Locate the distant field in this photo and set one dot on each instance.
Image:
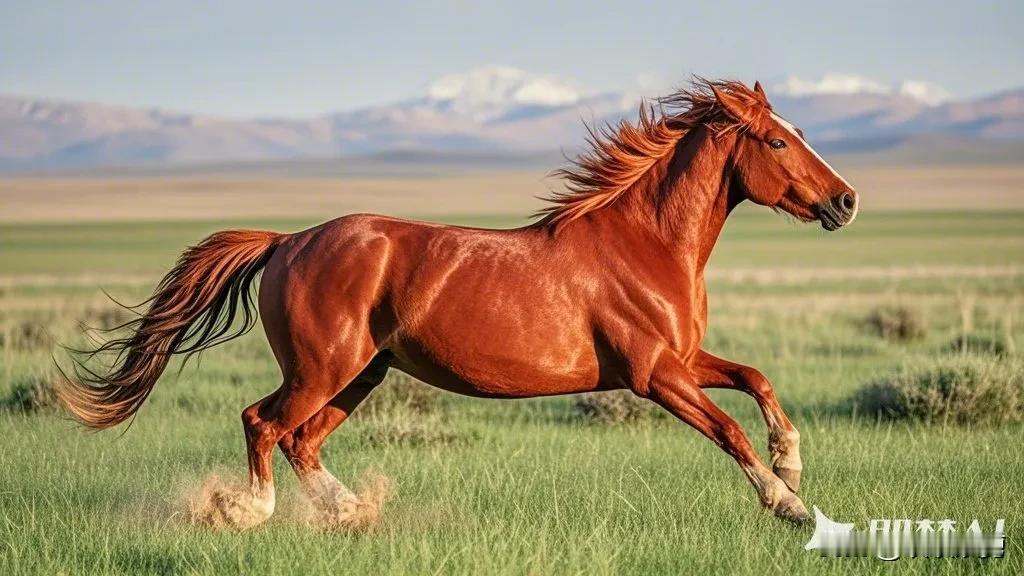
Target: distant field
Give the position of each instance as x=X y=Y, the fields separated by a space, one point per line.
x=521 y=487
x=754 y=238
x=437 y=191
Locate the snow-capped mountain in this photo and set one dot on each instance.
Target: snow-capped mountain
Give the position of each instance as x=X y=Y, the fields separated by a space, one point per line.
x=850 y=84
x=494 y=109
x=492 y=92
x=845 y=109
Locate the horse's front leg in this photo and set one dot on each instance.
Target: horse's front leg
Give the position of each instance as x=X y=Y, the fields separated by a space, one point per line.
x=783 y=438
x=674 y=386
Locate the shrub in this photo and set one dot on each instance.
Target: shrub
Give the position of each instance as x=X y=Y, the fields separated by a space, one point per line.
x=403 y=410
x=960 y=389
x=106 y=317
x=30 y=395
x=28 y=335
x=409 y=429
x=979 y=344
x=832 y=349
x=616 y=406
x=899 y=323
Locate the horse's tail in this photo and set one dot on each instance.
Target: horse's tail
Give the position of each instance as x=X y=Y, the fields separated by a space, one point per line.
x=193 y=308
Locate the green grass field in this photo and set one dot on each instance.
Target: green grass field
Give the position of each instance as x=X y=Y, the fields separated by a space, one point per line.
x=524 y=487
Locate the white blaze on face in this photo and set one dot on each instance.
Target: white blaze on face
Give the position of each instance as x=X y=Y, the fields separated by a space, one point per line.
x=792 y=130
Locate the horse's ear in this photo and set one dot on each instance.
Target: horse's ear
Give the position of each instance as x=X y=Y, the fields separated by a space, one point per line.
x=734 y=106
x=760 y=91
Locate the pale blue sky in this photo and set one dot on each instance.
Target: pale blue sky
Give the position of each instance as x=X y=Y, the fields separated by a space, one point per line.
x=242 y=57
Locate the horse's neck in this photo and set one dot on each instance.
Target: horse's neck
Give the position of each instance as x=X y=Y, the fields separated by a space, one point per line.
x=685 y=198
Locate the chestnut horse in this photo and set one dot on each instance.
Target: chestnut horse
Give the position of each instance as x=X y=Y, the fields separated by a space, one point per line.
x=605 y=291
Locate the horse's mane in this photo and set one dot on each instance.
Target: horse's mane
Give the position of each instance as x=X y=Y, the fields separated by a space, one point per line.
x=620 y=154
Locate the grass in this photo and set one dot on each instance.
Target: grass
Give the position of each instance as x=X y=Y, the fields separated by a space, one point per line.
x=753 y=239
x=524 y=487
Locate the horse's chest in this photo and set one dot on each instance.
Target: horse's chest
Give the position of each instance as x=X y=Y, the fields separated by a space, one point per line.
x=700 y=314
x=679 y=317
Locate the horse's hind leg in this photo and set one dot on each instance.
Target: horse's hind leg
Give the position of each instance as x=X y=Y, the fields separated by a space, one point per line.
x=302 y=395
x=334 y=504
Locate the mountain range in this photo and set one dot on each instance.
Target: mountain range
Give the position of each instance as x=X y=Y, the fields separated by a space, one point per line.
x=491 y=111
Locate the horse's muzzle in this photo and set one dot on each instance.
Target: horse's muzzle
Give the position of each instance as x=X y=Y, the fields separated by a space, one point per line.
x=838 y=211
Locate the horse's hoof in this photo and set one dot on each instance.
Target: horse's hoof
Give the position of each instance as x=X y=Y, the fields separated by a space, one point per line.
x=335 y=513
x=792 y=510
x=223 y=507
x=790 y=476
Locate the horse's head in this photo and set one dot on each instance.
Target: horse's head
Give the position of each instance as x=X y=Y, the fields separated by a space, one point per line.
x=775 y=166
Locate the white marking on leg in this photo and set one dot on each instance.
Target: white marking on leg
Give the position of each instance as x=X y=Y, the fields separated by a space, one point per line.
x=264 y=500
x=331 y=503
x=321 y=484
x=785 y=448
x=769 y=488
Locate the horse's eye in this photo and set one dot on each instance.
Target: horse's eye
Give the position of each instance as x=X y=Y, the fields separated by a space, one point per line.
x=777 y=144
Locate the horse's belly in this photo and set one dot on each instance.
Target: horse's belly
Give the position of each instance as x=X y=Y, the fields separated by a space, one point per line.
x=497 y=365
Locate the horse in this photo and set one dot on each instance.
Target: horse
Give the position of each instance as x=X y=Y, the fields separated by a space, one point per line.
x=603 y=290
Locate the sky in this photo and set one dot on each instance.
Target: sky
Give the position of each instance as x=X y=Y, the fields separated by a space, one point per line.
x=251 y=58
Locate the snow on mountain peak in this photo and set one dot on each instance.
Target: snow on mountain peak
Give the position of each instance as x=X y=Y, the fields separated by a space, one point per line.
x=491 y=91
x=837 y=83
x=927 y=92
x=830 y=83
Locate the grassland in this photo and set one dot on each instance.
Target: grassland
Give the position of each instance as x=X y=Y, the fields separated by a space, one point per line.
x=524 y=487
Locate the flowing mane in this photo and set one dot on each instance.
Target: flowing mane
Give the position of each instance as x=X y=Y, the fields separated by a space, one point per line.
x=621 y=154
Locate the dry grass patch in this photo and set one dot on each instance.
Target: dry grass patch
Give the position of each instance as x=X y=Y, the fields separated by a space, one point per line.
x=897 y=323
x=404 y=411
x=615 y=407
x=106 y=317
x=30 y=395
x=981 y=344
x=409 y=429
x=27 y=336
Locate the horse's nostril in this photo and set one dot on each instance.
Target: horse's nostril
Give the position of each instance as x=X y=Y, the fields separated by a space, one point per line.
x=847 y=201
